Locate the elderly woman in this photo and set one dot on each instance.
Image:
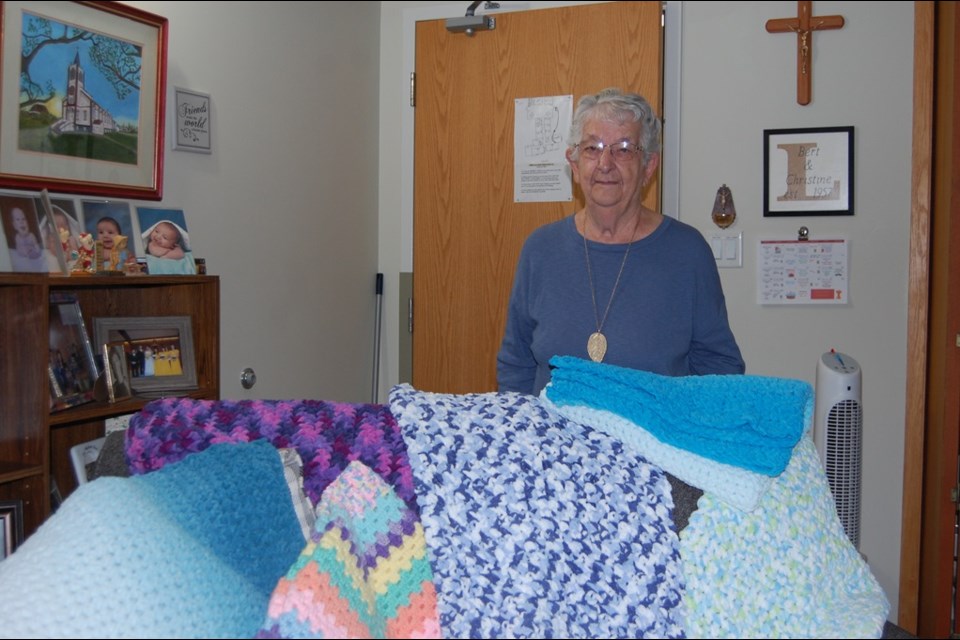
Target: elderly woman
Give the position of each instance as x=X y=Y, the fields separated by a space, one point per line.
x=616 y=282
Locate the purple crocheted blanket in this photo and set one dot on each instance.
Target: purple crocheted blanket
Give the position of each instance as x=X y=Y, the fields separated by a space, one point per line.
x=327 y=435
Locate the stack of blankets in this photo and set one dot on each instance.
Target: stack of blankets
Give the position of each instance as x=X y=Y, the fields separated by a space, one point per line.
x=475 y=515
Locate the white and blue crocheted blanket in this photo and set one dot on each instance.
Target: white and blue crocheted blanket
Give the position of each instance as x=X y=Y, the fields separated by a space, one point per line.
x=539 y=527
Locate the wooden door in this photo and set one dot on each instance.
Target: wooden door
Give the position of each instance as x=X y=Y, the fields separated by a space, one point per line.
x=467 y=229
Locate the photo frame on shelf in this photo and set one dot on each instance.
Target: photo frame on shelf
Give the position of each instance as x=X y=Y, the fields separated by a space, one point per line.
x=50 y=228
x=116 y=369
x=28 y=244
x=119 y=53
x=165 y=242
x=111 y=224
x=159 y=351
x=72 y=368
x=11 y=526
x=808 y=172
x=61 y=218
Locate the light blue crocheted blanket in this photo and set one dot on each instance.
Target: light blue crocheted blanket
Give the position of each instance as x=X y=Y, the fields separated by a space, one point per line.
x=784 y=570
x=191 y=550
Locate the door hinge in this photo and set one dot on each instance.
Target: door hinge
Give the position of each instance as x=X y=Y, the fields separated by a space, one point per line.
x=955 y=494
x=413 y=88
x=958 y=339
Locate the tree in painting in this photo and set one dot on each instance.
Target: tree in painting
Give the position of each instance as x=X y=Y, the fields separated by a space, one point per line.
x=79 y=91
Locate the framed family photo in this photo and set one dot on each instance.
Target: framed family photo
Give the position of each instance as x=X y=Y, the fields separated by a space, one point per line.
x=72 y=368
x=808 y=172
x=82 y=94
x=158 y=350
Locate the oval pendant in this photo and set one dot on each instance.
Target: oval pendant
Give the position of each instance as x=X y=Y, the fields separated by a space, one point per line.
x=597 y=346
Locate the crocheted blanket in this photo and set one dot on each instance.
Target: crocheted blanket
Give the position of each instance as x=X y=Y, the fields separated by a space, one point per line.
x=735 y=486
x=365 y=572
x=539 y=527
x=751 y=422
x=785 y=570
x=763 y=557
x=537 y=521
x=327 y=435
x=191 y=551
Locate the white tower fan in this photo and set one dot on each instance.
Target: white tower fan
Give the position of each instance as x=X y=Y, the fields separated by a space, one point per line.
x=838 y=434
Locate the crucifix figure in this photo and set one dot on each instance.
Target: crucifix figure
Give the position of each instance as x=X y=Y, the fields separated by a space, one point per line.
x=804 y=25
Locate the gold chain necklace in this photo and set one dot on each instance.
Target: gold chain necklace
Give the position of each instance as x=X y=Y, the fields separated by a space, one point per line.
x=597 y=342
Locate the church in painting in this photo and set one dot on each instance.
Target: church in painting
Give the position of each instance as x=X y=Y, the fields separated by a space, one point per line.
x=81 y=113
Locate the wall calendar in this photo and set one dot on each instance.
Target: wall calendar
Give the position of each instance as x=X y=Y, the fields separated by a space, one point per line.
x=802 y=271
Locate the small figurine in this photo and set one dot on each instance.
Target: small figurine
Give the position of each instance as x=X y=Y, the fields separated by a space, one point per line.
x=85 y=258
x=118 y=254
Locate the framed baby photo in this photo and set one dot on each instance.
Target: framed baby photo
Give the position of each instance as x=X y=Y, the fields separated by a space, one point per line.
x=27 y=242
x=111 y=224
x=808 y=172
x=158 y=351
x=165 y=242
x=51 y=231
x=61 y=220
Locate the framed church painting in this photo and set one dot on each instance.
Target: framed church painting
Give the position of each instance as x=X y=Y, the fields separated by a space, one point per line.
x=82 y=94
x=808 y=172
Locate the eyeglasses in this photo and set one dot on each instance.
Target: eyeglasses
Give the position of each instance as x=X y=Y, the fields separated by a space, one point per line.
x=622 y=151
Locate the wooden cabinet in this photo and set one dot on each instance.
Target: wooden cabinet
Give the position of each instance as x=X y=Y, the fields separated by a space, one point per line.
x=34 y=443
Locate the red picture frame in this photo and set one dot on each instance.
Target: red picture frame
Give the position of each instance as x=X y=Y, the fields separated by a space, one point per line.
x=87 y=114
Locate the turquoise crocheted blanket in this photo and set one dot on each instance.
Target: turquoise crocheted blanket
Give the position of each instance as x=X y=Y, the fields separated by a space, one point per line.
x=751 y=422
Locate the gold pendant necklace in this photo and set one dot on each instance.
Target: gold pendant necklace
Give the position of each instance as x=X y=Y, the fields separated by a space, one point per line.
x=597 y=342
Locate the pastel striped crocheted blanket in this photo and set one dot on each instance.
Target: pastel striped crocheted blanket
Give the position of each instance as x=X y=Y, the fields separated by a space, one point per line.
x=365 y=572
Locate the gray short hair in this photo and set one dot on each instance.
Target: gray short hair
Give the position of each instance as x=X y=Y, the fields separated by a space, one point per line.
x=614 y=105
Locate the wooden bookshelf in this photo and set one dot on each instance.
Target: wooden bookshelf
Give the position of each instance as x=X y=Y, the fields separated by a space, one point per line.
x=35 y=443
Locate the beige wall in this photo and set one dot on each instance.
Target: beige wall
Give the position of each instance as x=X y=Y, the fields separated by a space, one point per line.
x=285 y=209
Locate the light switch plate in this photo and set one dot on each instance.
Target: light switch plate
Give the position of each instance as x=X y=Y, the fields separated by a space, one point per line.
x=727 y=249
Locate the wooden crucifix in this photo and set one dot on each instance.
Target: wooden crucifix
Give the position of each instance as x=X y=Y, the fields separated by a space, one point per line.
x=804 y=25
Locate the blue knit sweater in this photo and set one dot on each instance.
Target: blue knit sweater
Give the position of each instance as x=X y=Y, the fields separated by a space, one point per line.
x=668 y=315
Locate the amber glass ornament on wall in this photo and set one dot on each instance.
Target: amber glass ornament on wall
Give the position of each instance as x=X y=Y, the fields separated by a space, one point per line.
x=724 y=212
